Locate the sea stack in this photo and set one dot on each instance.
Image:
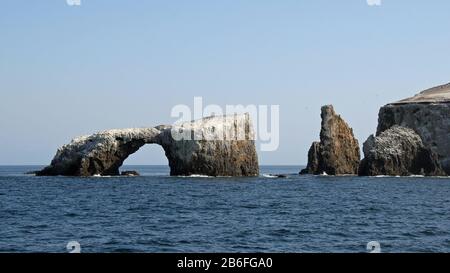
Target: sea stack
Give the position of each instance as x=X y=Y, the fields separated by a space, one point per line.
x=338 y=151
x=398 y=151
x=213 y=146
x=428 y=114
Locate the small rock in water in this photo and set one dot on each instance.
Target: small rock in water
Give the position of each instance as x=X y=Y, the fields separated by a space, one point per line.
x=279 y=175
x=130 y=173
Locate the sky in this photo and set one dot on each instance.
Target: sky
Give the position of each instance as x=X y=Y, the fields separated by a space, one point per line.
x=68 y=70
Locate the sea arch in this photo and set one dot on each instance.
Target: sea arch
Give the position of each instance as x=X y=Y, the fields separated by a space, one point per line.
x=103 y=153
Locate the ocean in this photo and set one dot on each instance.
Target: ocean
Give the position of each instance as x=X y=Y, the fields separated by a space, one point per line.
x=158 y=213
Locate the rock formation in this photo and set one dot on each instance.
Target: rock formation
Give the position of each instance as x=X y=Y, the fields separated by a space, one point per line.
x=99 y=154
x=428 y=114
x=314 y=160
x=398 y=151
x=337 y=153
x=222 y=146
x=214 y=146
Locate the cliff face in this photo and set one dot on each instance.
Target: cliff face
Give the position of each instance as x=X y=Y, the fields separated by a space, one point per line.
x=428 y=114
x=398 y=151
x=216 y=146
x=337 y=153
x=221 y=146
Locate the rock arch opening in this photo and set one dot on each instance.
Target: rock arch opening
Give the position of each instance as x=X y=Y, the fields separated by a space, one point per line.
x=149 y=159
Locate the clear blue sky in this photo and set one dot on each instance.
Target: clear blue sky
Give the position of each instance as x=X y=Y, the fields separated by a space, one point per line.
x=67 y=71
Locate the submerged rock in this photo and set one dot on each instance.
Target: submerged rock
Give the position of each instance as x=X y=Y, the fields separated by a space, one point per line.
x=214 y=146
x=398 y=151
x=338 y=152
x=428 y=114
x=278 y=175
x=129 y=173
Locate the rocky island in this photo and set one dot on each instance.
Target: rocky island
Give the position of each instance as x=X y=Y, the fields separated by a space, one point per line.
x=338 y=151
x=412 y=136
x=411 y=139
x=213 y=146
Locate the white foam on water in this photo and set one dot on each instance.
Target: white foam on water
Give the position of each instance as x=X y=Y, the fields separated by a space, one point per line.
x=195 y=176
x=102 y=176
x=269 y=176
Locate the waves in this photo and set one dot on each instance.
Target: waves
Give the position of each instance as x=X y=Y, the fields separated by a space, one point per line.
x=158 y=213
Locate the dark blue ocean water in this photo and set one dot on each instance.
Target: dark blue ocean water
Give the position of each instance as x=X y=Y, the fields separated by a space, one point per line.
x=158 y=213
